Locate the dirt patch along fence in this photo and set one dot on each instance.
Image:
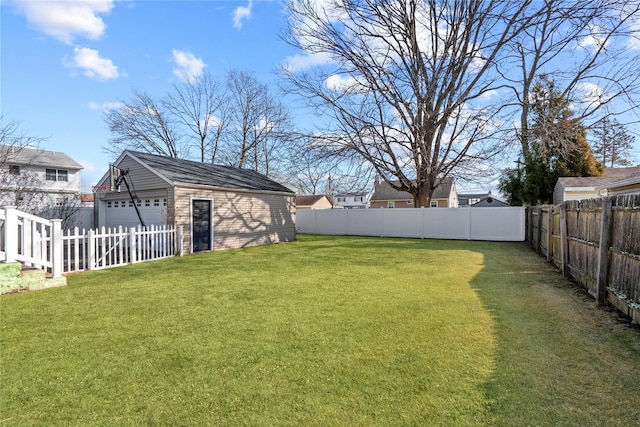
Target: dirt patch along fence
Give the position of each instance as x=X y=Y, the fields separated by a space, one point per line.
x=595 y=242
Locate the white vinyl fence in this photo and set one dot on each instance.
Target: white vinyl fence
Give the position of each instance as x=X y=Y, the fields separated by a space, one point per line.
x=113 y=247
x=40 y=243
x=493 y=224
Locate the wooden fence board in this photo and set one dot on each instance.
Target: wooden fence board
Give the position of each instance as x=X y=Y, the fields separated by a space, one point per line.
x=599 y=251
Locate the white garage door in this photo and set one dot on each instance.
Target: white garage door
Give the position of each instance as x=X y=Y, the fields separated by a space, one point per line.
x=122 y=212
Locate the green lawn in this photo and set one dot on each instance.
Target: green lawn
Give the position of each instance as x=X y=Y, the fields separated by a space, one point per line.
x=341 y=331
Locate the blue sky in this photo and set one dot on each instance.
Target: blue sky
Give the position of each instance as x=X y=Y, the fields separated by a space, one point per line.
x=63 y=62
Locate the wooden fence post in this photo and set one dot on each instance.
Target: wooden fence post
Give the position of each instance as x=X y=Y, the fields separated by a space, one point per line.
x=603 y=258
x=539 y=239
x=550 y=233
x=564 y=243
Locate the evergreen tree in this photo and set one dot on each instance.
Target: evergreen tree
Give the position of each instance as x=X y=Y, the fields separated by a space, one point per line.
x=557 y=148
x=612 y=143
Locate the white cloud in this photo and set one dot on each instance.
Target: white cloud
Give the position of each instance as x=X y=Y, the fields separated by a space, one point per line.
x=241 y=13
x=302 y=62
x=64 y=20
x=593 y=94
x=188 y=66
x=633 y=42
x=339 y=83
x=595 y=40
x=92 y=64
x=105 y=106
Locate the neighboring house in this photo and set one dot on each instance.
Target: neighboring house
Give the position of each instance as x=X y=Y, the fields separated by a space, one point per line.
x=49 y=177
x=579 y=188
x=313 y=202
x=444 y=196
x=219 y=207
x=352 y=200
x=467 y=199
x=490 y=202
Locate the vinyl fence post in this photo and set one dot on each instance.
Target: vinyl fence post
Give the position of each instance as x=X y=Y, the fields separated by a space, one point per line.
x=56 y=248
x=133 y=250
x=603 y=258
x=10 y=234
x=564 y=248
x=91 y=258
x=179 y=237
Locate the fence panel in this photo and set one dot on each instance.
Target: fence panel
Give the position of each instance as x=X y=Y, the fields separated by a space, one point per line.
x=497 y=224
x=603 y=255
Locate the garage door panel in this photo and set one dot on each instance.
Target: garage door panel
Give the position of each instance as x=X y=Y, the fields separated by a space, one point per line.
x=122 y=212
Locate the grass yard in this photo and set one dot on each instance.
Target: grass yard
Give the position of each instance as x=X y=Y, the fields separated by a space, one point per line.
x=342 y=331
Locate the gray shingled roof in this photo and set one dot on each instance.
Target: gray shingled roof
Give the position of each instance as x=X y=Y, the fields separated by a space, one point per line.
x=180 y=171
x=34 y=157
x=610 y=176
x=383 y=191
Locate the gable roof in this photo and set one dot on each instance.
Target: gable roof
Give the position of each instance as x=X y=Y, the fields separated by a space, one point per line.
x=35 y=157
x=180 y=171
x=310 y=200
x=383 y=191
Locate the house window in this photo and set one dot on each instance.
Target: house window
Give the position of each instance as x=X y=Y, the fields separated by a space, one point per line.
x=391 y=205
x=57 y=175
x=108 y=204
x=156 y=202
x=164 y=201
x=14 y=170
x=139 y=202
x=130 y=204
x=116 y=204
x=341 y=199
x=434 y=204
x=147 y=202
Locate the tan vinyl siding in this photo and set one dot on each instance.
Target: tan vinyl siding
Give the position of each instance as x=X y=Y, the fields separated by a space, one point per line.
x=239 y=219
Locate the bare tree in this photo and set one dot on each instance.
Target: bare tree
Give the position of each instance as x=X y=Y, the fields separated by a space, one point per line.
x=258 y=125
x=582 y=46
x=612 y=143
x=239 y=123
x=200 y=106
x=407 y=85
x=143 y=124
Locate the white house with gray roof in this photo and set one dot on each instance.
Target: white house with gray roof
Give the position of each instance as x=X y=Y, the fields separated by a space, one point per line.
x=219 y=207
x=49 y=175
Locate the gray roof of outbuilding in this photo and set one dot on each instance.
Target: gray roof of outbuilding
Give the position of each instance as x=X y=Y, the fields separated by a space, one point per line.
x=610 y=175
x=180 y=171
x=383 y=191
x=37 y=157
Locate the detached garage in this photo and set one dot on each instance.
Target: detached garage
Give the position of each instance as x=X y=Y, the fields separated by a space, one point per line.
x=219 y=207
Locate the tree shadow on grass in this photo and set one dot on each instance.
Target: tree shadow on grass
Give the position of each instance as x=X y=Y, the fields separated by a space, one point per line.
x=560 y=360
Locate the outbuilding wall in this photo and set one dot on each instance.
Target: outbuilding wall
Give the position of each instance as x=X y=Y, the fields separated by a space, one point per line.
x=239 y=218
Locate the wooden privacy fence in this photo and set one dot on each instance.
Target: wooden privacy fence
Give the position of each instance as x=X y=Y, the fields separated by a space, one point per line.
x=40 y=243
x=596 y=242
